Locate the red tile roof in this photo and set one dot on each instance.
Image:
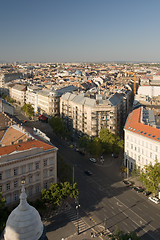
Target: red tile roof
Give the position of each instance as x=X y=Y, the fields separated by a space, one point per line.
x=25 y=146
x=133 y=124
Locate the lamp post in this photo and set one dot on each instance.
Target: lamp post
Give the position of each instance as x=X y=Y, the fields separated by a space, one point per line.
x=105 y=221
x=77 y=208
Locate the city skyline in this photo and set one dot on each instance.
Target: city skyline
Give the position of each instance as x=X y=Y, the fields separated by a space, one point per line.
x=80 y=31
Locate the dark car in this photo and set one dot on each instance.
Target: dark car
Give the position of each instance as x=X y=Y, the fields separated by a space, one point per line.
x=128 y=183
x=147 y=193
x=87 y=172
x=138 y=189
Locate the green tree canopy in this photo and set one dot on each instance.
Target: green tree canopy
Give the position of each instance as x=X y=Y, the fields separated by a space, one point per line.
x=120 y=235
x=3 y=213
x=28 y=109
x=151 y=177
x=110 y=142
x=95 y=147
x=58 y=127
x=58 y=192
x=64 y=170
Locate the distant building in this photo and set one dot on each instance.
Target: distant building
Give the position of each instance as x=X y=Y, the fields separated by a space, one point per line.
x=150 y=91
x=8 y=77
x=18 y=93
x=142 y=139
x=85 y=115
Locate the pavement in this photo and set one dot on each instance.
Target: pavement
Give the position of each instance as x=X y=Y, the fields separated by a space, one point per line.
x=63 y=225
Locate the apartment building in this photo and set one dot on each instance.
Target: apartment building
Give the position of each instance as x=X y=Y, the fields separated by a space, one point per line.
x=87 y=115
x=142 y=139
x=25 y=155
x=8 y=77
x=48 y=102
x=31 y=97
x=18 y=92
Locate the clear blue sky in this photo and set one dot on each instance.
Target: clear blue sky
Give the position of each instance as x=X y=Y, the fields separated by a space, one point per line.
x=79 y=30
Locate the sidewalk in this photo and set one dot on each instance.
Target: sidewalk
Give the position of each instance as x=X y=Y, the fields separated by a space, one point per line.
x=59 y=229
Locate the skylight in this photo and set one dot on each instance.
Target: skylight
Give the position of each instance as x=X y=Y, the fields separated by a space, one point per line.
x=153 y=136
x=149 y=134
x=141 y=132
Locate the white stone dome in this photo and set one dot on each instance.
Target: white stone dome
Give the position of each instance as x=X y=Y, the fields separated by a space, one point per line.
x=24 y=222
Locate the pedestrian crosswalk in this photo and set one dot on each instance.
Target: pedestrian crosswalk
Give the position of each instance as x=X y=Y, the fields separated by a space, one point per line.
x=76 y=219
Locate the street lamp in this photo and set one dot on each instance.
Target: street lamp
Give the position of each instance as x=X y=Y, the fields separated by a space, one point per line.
x=105 y=221
x=77 y=208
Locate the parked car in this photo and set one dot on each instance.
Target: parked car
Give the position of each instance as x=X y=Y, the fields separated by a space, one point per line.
x=87 y=172
x=80 y=151
x=147 y=193
x=138 y=189
x=154 y=199
x=93 y=160
x=128 y=183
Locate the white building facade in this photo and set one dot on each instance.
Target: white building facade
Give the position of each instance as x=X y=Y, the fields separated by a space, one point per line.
x=142 y=140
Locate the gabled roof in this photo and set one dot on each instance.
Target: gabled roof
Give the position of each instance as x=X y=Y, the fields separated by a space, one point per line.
x=133 y=124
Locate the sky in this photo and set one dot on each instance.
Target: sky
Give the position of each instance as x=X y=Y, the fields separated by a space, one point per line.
x=79 y=30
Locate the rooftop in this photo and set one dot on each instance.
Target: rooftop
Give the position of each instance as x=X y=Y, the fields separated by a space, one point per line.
x=135 y=125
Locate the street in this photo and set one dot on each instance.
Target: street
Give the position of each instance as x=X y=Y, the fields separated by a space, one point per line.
x=104 y=199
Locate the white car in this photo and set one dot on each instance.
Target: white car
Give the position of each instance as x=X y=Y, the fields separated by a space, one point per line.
x=93 y=160
x=154 y=199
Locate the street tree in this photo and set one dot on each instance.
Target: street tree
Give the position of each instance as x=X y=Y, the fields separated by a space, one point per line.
x=95 y=147
x=151 y=177
x=58 y=127
x=120 y=235
x=110 y=141
x=58 y=192
x=64 y=170
x=3 y=213
x=28 y=109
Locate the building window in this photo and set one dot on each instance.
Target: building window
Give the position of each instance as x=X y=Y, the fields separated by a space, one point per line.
x=30 y=167
x=45 y=163
x=51 y=161
x=45 y=173
x=131 y=146
x=51 y=172
x=150 y=155
x=156 y=157
x=15 y=171
x=30 y=192
x=37 y=177
x=37 y=165
x=23 y=168
x=8 y=199
x=8 y=174
x=8 y=186
x=0 y=188
x=0 y=176
x=37 y=189
x=156 y=148
x=45 y=185
x=16 y=197
x=15 y=183
x=30 y=179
